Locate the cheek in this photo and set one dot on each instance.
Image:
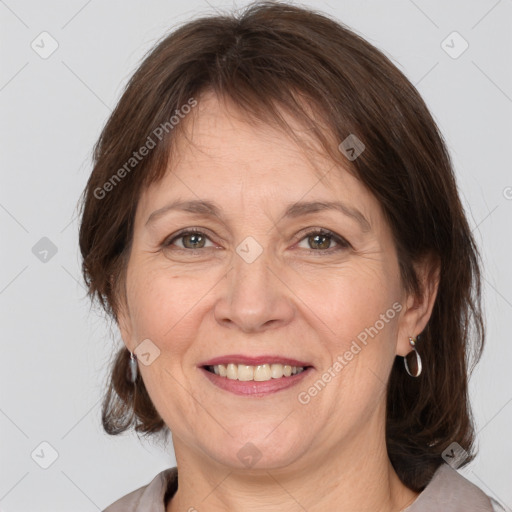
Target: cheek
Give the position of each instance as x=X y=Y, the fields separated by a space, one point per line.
x=350 y=298
x=360 y=309
x=147 y=303
x=163 y=305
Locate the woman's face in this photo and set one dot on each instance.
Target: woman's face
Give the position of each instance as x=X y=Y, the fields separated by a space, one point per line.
x=261 y=283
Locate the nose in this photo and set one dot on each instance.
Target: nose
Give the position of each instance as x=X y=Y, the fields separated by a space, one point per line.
x=255 y=297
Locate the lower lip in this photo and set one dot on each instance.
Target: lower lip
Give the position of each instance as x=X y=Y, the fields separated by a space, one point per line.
x=255 y=388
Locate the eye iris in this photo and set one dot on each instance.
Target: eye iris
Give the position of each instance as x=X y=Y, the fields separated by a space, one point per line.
x=197 y=240
x=196 y=237
x=326 y=238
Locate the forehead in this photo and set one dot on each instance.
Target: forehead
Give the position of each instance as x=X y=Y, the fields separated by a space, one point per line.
x=218 y=132
x=222 y=154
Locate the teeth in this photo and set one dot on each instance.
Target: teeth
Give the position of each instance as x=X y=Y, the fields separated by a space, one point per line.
x=258 y=373
x=262 y=372
x=245 y=372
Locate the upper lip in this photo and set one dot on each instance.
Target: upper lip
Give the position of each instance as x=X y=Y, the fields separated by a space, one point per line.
x=253 y=361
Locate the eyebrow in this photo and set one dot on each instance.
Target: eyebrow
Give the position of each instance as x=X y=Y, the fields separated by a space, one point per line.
x=293 y=210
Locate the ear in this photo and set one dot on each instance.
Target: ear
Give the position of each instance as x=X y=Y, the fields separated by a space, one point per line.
x=123 y=320
x=418 y=309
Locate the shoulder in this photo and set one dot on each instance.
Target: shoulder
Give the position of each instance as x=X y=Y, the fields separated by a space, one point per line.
x=149 y=497
x=497 y=507
x=128 y=503
x=452 y=492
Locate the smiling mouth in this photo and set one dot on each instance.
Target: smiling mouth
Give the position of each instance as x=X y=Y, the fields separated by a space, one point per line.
x=258 y=373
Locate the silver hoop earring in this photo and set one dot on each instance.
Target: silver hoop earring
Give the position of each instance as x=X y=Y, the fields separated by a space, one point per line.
x=132 y=368
x=416 y=365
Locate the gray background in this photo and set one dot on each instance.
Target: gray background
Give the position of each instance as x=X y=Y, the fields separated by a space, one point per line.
x=54 y=350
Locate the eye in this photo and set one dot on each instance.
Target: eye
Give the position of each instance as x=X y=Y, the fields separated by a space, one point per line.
x=191 y=239
x=320 y=239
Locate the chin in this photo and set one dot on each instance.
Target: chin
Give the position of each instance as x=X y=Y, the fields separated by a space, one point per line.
x=259 y=451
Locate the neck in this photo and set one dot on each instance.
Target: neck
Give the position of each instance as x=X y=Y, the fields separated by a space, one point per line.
x=354 y=476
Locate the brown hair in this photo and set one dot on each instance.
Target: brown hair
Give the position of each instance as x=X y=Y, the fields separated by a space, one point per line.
x=273 y=55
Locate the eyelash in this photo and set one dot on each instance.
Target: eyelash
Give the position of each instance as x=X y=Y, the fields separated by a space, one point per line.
x=342 y=243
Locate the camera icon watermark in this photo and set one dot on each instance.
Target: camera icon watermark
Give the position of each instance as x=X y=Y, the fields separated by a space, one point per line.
x=146 y=352
x=507 y=193
x=44 y=45
x=249 y=249
x=44 y=250
x=249 y=455
x=44 y=455
x=454 y=45
x=352 y=147
x=454 y=455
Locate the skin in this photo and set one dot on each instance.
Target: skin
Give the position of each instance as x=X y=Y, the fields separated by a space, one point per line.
x=308 y=305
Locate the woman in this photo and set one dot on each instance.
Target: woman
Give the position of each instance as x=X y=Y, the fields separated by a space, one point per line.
x=273 y=222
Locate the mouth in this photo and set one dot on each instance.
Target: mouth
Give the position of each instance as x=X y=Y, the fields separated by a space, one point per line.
x=234 y=374
x=259 y=373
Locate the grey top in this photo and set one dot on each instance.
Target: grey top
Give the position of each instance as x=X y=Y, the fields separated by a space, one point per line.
x=447 y=491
